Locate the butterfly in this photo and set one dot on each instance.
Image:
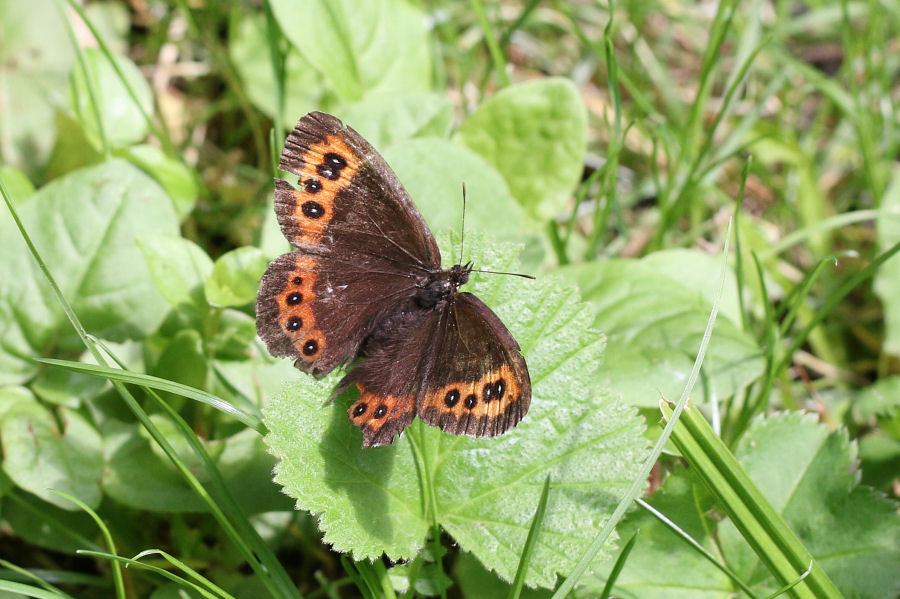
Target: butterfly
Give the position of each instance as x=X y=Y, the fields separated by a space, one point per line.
x=365 y=281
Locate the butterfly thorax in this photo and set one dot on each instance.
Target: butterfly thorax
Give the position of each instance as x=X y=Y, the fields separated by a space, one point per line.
x=441 y=284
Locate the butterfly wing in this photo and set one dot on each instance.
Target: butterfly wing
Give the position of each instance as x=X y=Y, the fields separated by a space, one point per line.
x=361 y=247
x=478 y=383
x=457 y=367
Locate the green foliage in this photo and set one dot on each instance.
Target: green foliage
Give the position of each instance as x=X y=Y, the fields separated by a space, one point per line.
x=654 y=315
x=138 y=149
x=535 y=134
x=85 y=225
x=360 y=49
x=804 y=471
x=122 y=119
x=39 y=456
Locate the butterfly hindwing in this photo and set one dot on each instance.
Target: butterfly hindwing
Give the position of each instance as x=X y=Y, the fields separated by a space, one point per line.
x=456 y=366
x=319 y=310
x=478 y=384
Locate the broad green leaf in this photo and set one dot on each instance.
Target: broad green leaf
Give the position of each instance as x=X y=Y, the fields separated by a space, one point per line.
x=136 y=476
x=66 y=388
x=32 y=523
x=430 y=579
x=877 y=400
x=178 y=267
x=806 y=472
x=84 y=225
x=654 y=324
x=535 y=134
x=380 y=46
x=701 y=271
x=38 y=456
x=887 y=281
x=392 y=118
x=483 y=492
x=35 y=58
x=17 y=184
x=433 y=171
x=235 y=277
x=249 y=50
x=123 y=120
x=73 y=149
x=174 y=176
x=183 y=361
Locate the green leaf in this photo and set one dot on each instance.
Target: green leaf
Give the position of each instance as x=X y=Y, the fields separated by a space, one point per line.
x=699 y=270
x=887 y=281
x=433 y=171
x=183 y=361
x=388 y=119
x=17 y=184
x=653 y=336
x=430 y=579
x=174 y=176
x=66 y=388
x=84 y=225
x=535 y=134
x=877 y=400
x=249 y=50
x=484 y=491
x=806 y=472
x=178 y=266
x=46 y=525
x=123 y=121
x=235 y=277
x=379 y=46
x=37 y=456
x=35 y=58
x=73 y=150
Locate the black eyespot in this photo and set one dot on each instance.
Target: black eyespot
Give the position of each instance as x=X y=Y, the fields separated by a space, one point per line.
x=312 y=209
x=335 y=160
x=328 y=171
x=294 y=323
x=499 y=389
x=380 y=411
x=312 y=185
x=451 y=398
x=298 y=280
x=294 y=298
x=359 y=410
x=471 y=401
x=310 y=347
x=487 y=393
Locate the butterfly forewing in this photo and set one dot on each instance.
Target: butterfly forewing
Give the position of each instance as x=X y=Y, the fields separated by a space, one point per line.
x=362 y=247
x=347 y=199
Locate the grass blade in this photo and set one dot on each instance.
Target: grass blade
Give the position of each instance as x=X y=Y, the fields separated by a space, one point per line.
x=152 y=382
x=519 y=581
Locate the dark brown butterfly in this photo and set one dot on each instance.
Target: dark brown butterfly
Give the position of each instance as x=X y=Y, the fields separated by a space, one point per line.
x=366 y=281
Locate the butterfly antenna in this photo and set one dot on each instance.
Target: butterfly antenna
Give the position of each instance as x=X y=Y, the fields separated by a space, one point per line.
x=462 y=231
x=497 y=272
